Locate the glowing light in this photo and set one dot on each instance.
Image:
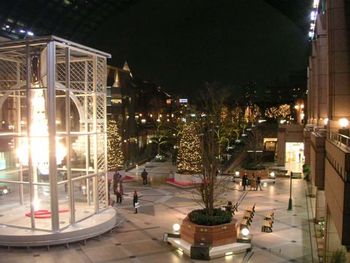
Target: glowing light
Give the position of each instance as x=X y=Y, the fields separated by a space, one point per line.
x=237 y=173
x=311 y=34
x=176 y=227
x=36 y=204
x=272 y=174
x=245 y=232
x=228 y=253
x=29 y=33
x=343 y=122
x=39 y=137
x=325 y=121
x=143 y=120
x=316 y=3
x=313 y=15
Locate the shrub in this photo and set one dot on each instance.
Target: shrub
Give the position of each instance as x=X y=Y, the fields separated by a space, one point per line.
x=201 y=217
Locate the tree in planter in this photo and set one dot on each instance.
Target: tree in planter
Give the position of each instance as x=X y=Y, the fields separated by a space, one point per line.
x=212 y=186
x=338 y=256
x=115 y=156
x=189 y=159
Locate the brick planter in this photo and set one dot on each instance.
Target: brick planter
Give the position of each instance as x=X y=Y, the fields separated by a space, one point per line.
x=209 y=235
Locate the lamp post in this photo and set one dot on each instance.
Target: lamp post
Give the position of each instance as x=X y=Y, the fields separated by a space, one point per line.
x=290 y=203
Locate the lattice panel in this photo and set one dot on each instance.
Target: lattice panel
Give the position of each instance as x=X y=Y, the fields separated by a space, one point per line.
x=100 y=107
x=8 y=74
x=101 y=189
x=101 y=75
x=61 y=72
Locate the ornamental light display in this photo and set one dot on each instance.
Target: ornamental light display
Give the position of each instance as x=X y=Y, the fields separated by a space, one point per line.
x=189 y=158
x=53 y=142
x=114 y=146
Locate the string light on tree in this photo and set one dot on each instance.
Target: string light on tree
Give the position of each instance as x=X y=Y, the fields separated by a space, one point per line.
x=189 y=158
x=114 y=146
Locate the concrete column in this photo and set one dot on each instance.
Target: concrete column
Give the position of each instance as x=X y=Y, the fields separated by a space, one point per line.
x=338 y=16
x=322 y=69
x=314 y=84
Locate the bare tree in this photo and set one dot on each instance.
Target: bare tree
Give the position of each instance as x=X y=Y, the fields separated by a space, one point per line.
x=211 y=126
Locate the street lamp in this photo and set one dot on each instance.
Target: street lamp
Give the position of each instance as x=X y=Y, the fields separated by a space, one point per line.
x=290 y=202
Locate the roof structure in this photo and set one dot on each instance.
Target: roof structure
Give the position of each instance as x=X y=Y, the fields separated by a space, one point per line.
x=72 y=19
x=79 y=19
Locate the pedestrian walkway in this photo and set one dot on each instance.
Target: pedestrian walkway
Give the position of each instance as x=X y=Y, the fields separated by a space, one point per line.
x=139 y=237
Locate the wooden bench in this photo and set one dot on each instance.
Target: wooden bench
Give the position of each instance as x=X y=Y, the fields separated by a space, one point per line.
x=270 y=216
x=244 y=223
x=268 y=222
x=233 y=208
x=267 y=226
x=251 y=210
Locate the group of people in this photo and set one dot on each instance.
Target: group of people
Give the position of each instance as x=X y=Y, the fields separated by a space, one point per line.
x=253 y=181
x=117 y=186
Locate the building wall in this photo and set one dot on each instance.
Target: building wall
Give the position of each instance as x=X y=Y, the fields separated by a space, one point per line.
x=328 y=98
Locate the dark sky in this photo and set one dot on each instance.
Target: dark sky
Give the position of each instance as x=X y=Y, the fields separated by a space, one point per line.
x=181 y=44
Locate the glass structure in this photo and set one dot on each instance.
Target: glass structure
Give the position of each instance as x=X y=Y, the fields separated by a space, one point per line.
x=53 y=133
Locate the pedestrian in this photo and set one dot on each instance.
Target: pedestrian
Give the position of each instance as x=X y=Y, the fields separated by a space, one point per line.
x=229 y=206
x=258 y=183
x=253 y=182
x=244 y=181
x=135 y=201
x=117 y=186
x=144 y=176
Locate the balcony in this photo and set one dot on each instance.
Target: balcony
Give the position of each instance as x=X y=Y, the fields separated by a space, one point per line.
x=317 y=157
x=337 y=183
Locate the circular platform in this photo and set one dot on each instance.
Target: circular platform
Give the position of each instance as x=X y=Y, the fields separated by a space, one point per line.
x=85 y=229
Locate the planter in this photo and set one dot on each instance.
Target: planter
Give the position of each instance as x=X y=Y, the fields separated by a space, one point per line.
x=187 y=178
x=209 y=235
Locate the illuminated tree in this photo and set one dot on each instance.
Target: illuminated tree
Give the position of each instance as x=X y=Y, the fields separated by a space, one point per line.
x=115 y=155
x=189 y=158
x=282 y=111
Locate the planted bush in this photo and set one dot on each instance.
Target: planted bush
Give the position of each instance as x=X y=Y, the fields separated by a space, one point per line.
x=201 y=217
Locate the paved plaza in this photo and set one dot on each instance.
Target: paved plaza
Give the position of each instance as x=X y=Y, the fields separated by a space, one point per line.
x=139 y=236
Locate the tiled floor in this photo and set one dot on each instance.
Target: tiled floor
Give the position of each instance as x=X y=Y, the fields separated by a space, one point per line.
x=139 y=239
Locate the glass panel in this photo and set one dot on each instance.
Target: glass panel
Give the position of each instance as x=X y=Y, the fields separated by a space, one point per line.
x=63 y=204
x=84 y=203
x=41 y=201
x=12 y=212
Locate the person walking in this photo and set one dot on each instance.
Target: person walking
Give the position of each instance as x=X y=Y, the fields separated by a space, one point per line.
x=135 y=201
x=258 y=183
x=244 y=181
x=144 y=176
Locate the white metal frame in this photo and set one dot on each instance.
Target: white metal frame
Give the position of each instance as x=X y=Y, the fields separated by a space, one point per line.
x=80 y=72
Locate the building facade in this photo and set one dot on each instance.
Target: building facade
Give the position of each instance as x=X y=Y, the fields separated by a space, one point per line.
x=326 y=135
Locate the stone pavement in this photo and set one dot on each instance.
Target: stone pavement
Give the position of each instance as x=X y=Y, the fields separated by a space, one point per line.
x=139 y=237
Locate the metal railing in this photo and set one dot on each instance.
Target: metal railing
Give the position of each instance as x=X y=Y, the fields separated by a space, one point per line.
x=340 y=139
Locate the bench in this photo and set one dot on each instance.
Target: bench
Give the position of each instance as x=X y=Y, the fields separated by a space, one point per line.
x=244 y=223
x=269 y=216
x=267 y=226
x=233 y=208
x=251 y=210
x=268 y=222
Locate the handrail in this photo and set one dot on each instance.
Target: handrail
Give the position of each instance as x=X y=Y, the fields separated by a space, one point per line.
x=340 y=139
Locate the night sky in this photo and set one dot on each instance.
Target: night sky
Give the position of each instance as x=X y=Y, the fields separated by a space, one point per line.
x=181 y=44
